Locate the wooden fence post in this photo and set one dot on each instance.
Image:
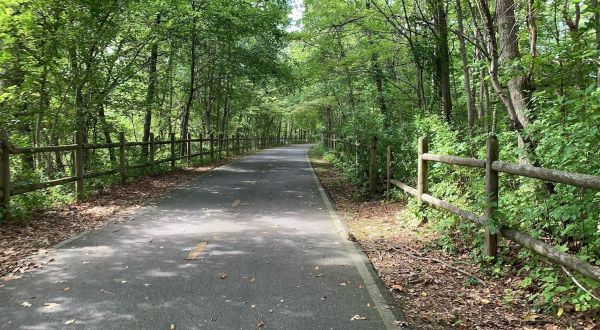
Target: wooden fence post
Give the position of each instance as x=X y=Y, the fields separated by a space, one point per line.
x=422 y=185
x=220 y=145
x=173 y=151
x=491 y=193
x=227 y=145
x=212 y=147
x=201 y=148
x=78 y=166
x=334 y=141
x=122 y=165
x=188 y=144
x=373 y=166
x=388 y=184
x=356 y=146
x=239 y=152
x=152 y=150
x=5 y=175
x=232 y=144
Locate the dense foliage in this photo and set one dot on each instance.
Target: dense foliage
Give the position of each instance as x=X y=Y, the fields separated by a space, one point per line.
x=457 y=72
x=139 y=67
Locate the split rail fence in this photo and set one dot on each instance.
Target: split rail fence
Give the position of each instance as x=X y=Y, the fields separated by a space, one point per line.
x=179 y=149
x=492 y=166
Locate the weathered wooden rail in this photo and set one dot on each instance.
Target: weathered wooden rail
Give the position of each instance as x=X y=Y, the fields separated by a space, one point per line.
x=489 y=220
x=209 y=148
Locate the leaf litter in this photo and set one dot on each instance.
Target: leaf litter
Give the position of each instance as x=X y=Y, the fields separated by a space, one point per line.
x=435 y=295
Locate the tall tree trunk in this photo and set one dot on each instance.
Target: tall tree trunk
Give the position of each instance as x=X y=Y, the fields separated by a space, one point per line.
x=422 y=100
x=443 y=59
x=505 y=98
x=573 y=24
x=465 y=65
x=151 y=93
x=377 y=76
x=517 y=101
x=43 y=105
x=225 y=112
x=80 y=113
x=105 y=128
x=185 y=114
x=17 y=74
x=518 y=85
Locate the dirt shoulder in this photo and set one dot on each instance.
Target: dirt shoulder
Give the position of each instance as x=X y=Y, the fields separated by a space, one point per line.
x=24 y=242
x=436 y=290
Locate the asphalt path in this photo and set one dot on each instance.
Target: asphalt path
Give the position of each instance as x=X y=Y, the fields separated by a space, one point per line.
x=254 y=244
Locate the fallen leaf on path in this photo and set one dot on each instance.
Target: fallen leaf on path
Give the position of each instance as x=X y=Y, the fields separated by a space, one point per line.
x=530 y=317
x=261 y=324
x=236 y=203
x=252 y=280
x=172 y=327
x=358 y=317
x=398 y=288
x=26 y=304
x=51 y=305
x=196 y=251
x=223 y=275
x=70 y=322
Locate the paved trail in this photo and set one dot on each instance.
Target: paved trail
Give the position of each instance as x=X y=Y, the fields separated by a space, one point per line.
x=276 y=255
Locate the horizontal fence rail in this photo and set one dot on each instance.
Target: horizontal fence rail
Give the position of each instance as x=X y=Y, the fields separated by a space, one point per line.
x=492 y=166
x=207 y=148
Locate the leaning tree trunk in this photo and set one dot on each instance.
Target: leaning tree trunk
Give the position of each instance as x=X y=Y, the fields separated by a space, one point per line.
x=519 y=84
x=494 y=63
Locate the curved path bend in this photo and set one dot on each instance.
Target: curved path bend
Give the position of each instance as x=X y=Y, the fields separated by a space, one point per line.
x=270 y=252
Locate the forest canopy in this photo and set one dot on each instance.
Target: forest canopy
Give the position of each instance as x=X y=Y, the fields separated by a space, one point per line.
x=101 y=67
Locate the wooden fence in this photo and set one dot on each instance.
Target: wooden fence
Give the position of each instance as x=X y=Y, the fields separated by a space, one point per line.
x=493 y=167
x=212 y=148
